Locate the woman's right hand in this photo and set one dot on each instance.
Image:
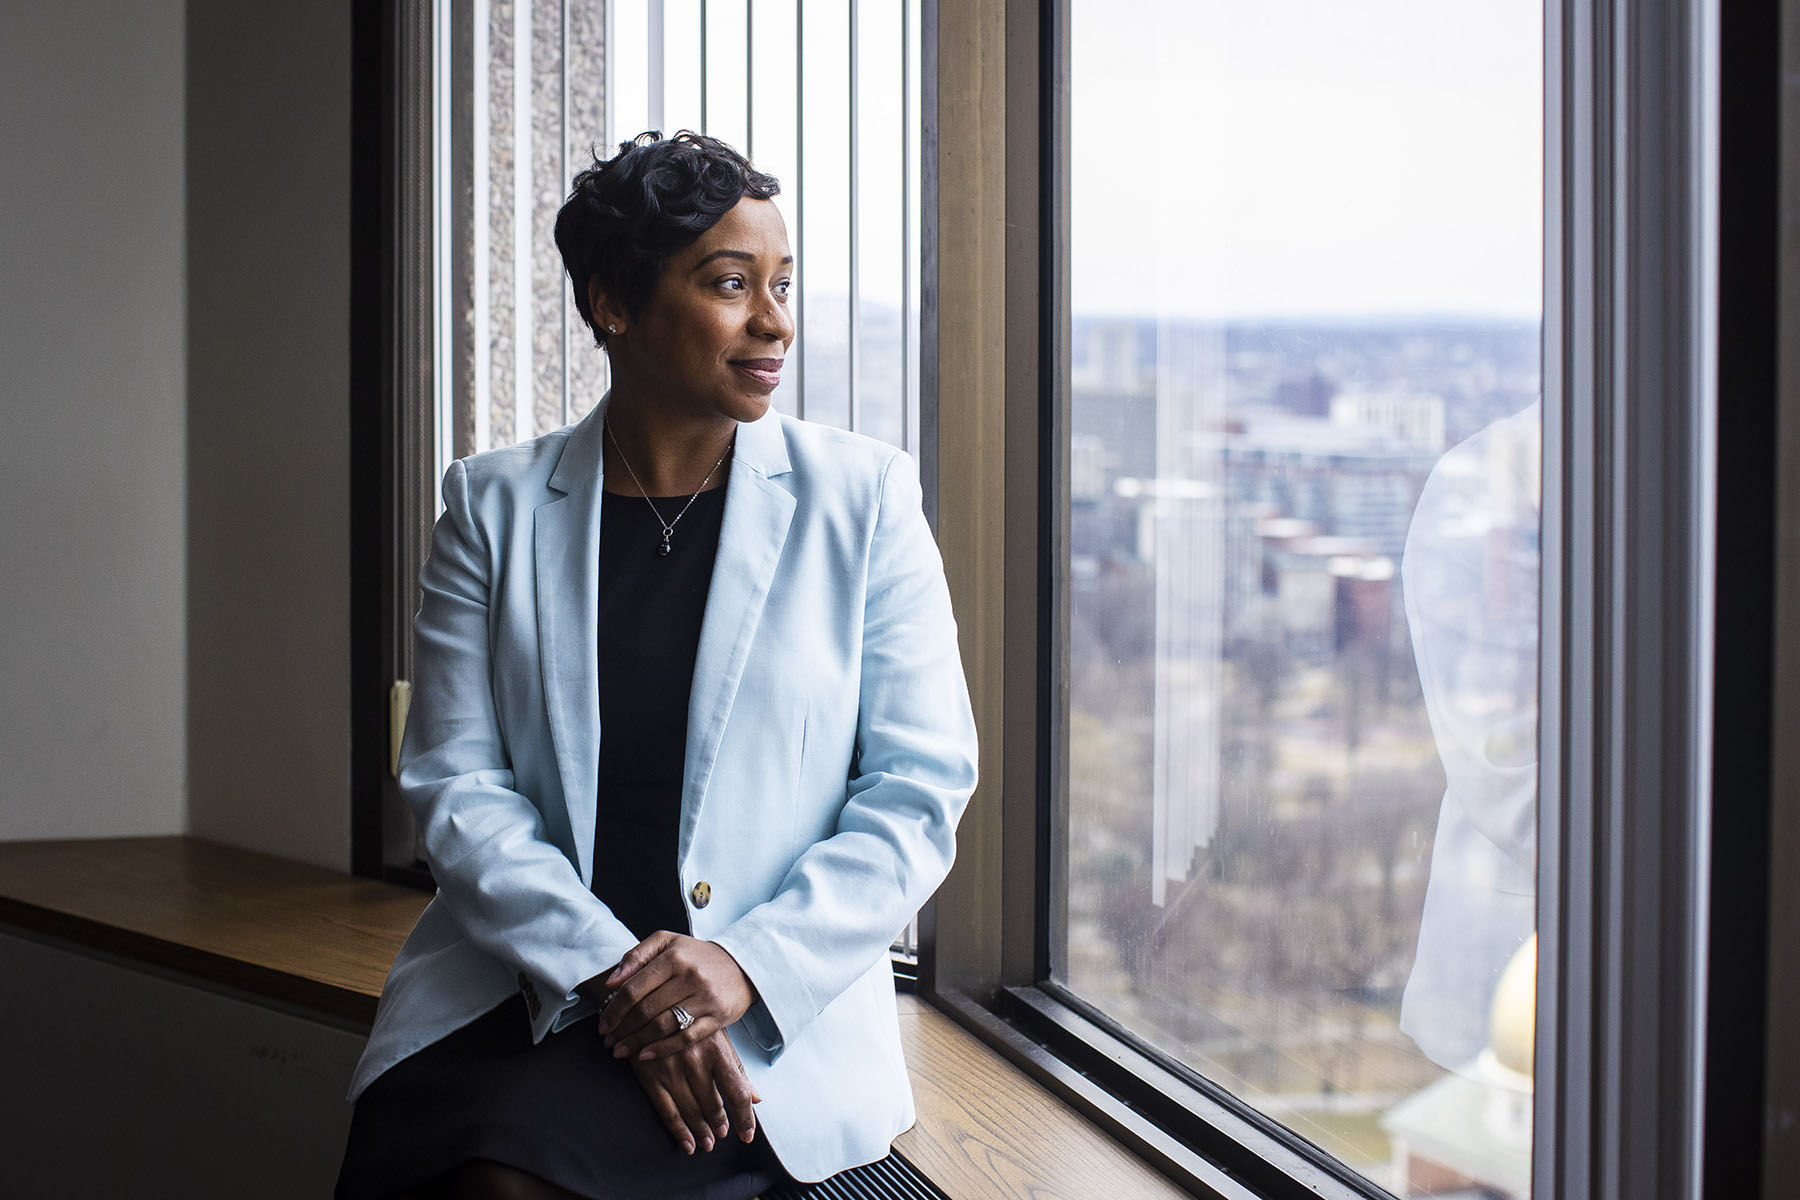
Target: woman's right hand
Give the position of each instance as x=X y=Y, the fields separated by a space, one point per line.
x=701 y=1093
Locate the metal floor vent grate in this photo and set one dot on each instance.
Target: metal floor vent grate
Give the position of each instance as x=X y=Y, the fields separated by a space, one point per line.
x=893 y=1178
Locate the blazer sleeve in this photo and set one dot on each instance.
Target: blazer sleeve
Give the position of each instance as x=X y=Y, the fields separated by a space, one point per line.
x=513 y=892
x=845 y=898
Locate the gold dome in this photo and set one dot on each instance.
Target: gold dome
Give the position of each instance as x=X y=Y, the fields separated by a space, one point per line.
x=1512 y=1021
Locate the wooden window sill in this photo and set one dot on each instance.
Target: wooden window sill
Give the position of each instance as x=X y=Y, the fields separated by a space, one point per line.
x=322 y=941
x=268 y=926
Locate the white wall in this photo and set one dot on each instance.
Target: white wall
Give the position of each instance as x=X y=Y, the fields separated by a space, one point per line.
x=93 y=620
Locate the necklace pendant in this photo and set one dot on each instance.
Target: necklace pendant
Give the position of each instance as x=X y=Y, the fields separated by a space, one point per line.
x=662 y=551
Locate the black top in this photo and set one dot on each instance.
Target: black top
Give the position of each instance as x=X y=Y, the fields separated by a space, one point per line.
x=650 y=611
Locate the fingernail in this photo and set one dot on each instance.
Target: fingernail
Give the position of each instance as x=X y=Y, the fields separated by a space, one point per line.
x=706 y=1145
x=619 y=1052
x=687 y=1147
x=608 y=1040
x=721 y=1129
x=644 y=1055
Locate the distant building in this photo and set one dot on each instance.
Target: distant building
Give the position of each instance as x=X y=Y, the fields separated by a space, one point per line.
x=1324 y=587
x=1306 y=395
x=1412 y=417
x=1355 y=481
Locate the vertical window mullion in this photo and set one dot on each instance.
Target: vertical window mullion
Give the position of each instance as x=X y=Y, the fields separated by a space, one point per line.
x=908 y=362
x=750 y=80
x=1564 y=997
x=855 y=313
x=609 y=125
x=523 y=367
x=800 y=187
x=657 y=84
x=443 y=349
x=562 y=173
x=1629 y=559
x=481 y=392
x=1054 y=383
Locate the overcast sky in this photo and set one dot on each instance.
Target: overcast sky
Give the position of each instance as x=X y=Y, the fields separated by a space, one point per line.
x=1299 y=157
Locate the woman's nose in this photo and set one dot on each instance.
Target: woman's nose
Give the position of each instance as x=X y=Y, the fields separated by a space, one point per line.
x=772 y=319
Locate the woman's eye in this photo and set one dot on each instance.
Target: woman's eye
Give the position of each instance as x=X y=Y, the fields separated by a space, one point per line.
x=784 y=287
x=732 y=283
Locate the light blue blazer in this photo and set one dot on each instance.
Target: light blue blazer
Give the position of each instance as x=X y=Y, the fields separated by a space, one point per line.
x=830 y=752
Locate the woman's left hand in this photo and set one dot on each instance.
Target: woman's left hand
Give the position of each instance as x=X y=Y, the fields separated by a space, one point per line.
x=664 y=971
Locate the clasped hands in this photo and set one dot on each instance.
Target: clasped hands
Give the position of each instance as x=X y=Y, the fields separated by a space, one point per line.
x=692 y=1076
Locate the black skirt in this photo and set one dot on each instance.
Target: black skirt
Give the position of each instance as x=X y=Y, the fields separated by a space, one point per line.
x=564 y=1110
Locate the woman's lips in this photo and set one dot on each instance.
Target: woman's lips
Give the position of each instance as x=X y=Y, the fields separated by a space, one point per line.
x=766 y=371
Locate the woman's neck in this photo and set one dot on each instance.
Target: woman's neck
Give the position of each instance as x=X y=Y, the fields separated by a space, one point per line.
x=660 y=454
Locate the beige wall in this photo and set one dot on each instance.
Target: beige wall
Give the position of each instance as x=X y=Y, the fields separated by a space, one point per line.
x=93 y=472
x=173 y=463
x=268 y=293
x=173 y=460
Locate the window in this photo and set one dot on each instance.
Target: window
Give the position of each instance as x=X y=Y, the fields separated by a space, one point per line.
x=1270 y=561
x=1207 y=535
x=1301 y=568
x=502 y=101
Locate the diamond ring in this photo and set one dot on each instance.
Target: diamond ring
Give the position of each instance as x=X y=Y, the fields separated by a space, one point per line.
x=683 y=1018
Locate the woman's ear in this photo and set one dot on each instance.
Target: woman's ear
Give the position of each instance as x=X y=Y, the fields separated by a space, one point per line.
x=608 y=316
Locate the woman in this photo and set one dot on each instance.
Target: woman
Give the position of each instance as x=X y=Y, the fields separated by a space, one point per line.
x=689 y=745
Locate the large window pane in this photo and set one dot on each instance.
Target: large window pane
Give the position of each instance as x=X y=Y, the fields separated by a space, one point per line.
x=1302 y=581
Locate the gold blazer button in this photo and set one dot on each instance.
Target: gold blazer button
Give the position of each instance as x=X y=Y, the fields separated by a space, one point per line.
x=702 y=894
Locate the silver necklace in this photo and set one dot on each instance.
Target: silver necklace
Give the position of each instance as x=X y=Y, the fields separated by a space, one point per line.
x=668 y=527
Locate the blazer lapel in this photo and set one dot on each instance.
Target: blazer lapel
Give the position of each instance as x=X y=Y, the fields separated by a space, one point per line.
x=757 y=514
x=566 y=546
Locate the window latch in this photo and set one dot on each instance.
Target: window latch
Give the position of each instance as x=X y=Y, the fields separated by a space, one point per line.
x=399 y=703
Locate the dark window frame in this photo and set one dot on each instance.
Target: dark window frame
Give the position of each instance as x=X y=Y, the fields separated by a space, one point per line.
x=390 y=395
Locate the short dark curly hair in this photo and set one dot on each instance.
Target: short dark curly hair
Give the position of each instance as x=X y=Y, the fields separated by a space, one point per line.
x=627 y=215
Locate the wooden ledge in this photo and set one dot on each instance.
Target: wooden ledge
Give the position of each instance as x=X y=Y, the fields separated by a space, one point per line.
x=323 y=941
x=270 y=926
x=986 y=1130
